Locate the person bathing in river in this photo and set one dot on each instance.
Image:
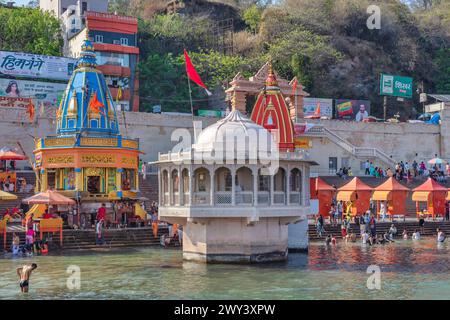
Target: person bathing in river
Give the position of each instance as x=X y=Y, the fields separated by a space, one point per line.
x=24 y=274
x=440 y=235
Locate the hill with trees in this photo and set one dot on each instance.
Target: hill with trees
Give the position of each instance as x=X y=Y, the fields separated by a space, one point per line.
x=325 y=43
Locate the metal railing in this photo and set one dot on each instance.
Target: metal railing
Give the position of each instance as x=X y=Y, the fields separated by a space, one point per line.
x=279 y=197
x=200 y=198
x=263 y=197
x=223 y=197
x=244 y=197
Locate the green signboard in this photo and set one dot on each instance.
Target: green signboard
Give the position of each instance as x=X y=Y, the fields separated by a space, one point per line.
x=396 y=86
x=210 y=113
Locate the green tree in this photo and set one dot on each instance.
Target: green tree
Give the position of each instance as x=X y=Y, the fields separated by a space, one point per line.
x=30 y=30
x=252 y=17
x=442 y=62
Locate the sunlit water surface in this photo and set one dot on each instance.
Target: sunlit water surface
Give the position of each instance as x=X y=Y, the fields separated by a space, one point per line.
x=409 y=270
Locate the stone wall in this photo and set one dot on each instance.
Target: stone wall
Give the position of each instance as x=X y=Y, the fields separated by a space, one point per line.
x=402 y=140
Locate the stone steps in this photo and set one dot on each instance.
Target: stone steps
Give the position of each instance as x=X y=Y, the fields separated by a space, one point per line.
x=381 y=227
x=85 y=239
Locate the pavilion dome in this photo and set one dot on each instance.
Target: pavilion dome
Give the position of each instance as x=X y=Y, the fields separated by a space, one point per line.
x=248 y=136
x=87 y=83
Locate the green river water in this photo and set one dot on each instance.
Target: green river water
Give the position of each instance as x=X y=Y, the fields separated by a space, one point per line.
x=409 y=270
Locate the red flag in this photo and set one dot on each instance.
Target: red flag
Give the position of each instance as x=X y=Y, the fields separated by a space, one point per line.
x=192 y=73
x=95 y=104
x=294 y=86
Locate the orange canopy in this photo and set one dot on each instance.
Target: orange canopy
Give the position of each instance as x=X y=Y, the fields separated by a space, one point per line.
x=391 y=185
x=323 y=186
x=11 y=155
x=49 y=197
x=430 y=185
x=355 y=185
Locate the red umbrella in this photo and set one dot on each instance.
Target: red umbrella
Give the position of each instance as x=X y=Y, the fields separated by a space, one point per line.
x=11 y=155
x=49 y=197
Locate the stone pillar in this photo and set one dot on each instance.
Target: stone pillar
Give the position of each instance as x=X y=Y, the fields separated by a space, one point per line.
x=170 y=187
x=79 y=179
x=288 y=186
x=44 y=180
x=233 y=187
x=160 y=190
x=181 y=186
x=272 y=189
x=119 y=181
x=238 y=101
x=255 y=187
x=211 y=186
x=191 y=186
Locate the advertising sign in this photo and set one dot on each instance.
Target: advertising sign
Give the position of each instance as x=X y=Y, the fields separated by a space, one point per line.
x=396 y=86
x=210 y=113
x=48 y=93
x=302 y=143
x=352 y=109
x=310 y=105
x=36 y=66
x=14 y=102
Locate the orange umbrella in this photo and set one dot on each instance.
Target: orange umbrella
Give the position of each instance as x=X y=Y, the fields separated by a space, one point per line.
x=49 y=197
x=11 y=155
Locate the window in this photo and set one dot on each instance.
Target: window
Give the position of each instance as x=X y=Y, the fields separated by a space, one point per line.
x=98 y=38
x=83 y=7
x=124 y=41
x=332 y=165
x=94 y=123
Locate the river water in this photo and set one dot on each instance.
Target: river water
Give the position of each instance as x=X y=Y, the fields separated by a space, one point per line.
x=409 y=270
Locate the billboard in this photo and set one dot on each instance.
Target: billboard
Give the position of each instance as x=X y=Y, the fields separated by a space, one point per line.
x=357 y=110
x=210 y=113
x=19 y=64
x=14 y=102
x=48 y=93
x=310 y=105
x=396 y=86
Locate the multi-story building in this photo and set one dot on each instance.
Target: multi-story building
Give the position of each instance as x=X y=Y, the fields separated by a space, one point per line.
x=115 y=42
x=59 y=7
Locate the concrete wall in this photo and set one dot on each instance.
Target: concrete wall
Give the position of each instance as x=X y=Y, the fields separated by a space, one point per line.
x=402 y=140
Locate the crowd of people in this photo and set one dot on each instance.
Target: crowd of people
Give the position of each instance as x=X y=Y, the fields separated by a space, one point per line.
x=367 y=225
x=408 y=171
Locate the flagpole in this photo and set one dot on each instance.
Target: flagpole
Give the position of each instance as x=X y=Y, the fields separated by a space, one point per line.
x=296 y=112
x=190 y=98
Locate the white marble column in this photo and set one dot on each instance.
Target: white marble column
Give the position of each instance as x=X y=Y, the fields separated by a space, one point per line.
x=255 y=186
x=191 y=186
x=212 y=175
x=272 y=189
x=160 y=190
x=233 y=186
x=180 y=186
x=288 y=187
x=170 y=186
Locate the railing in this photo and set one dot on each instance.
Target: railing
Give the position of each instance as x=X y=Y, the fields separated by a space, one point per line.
x=244 y=197
x=186 y=198
x=263 y=197
x=176 y=198
x=278 y=197
x=223 y=197
x=294 y=198
x=319 y=130
x=200 y=198
x=166 y=199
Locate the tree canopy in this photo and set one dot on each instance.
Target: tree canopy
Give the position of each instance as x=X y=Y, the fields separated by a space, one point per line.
x=30 y=30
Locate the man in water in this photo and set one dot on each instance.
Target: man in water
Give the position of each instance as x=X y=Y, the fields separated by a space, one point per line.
x=24 y=274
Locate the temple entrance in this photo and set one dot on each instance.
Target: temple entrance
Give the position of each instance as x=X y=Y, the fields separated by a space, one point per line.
x=93 y=184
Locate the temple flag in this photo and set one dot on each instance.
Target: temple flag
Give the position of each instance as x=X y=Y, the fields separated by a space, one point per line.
x=192 y=73
x=95 y=105
x=119 y=94
x=31 y=110
x=294 y=86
